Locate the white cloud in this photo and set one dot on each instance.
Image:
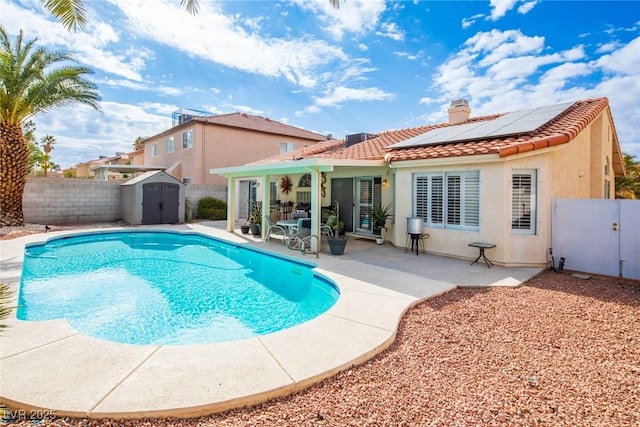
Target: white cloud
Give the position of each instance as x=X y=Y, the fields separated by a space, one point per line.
x=623 y=60
x=499 y=8
x=527 y=7
x=409 y=56
x=496 y=77
x=344 y=94
x=607 y=47
x=391 y=31
x=89 y=134
x=224 y=40
x=498 y=45
x=140 y=86
x=427 y=100
x=249 y=110
x=354 y=16
x=339 y=95
x=467 y=22
x=88 y=47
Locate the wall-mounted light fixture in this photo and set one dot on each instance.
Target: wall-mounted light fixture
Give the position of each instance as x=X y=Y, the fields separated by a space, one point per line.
x=385 y=183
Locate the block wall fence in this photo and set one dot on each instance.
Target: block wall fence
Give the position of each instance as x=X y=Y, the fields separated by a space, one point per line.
x=67 y=201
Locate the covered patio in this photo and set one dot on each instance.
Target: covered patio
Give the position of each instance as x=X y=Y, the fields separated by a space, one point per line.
x=316 y=183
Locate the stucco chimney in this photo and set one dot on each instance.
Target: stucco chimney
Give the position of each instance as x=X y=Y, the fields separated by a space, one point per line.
x=459 y=111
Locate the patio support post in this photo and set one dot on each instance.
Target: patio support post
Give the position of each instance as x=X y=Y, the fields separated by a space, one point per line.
x=266 y=202
x=316 y=210
x=232 y=200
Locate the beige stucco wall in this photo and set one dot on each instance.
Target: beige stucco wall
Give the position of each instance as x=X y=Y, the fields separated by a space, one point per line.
x=573 y=170
x=214 y=147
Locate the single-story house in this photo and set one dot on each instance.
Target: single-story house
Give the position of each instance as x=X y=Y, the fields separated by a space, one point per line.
x=484 y=179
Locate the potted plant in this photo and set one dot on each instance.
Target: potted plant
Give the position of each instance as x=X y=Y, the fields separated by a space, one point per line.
x=256 y=219
x=338 y=241
x=379 y=215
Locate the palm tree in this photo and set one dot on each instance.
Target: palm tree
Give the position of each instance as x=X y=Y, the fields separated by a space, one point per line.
x=48 y=141
x=45 y=162
x=138 y=144
x=72 y=14
x=628 y=187
x=30 y=85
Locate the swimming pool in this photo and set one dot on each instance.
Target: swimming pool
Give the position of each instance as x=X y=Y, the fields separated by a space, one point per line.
x=158 y=287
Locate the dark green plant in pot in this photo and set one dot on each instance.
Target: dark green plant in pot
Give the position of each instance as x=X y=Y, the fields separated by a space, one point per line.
x=256 y=219
x=337 y=242
x=379 y=215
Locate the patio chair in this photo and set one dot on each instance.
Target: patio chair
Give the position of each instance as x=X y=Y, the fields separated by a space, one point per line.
x=275 y=229
x=326 y=230
x=300 y=237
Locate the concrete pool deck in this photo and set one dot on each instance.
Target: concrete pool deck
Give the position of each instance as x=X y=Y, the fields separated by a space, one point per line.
x=49 y=366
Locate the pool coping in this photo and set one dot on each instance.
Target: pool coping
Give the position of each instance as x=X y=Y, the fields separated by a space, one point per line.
x=48 y=366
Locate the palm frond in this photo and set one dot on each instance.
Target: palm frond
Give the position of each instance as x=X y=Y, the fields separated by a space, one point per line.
x=6 y=296
x=191 y=5
x=71 y=13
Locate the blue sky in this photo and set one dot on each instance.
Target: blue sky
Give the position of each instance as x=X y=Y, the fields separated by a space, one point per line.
x=370 y=66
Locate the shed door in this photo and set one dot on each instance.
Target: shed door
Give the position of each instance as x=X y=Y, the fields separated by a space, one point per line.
x=151 y=202
x=170 y=202
x=160 y=201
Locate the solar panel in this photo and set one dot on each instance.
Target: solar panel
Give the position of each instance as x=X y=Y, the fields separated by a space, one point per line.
x=516 y=122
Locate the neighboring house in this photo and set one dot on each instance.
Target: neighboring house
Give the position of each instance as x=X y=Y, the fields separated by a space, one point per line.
x=197 y=144
x=120 y=166
x=488 y=179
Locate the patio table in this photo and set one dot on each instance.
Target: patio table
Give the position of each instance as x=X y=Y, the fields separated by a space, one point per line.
x=288 y=224
x=482 y=246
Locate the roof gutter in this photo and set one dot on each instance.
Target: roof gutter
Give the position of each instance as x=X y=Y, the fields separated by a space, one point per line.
x=293 y=166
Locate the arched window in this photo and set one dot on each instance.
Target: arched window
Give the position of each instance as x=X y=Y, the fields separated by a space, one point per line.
x=305 y=180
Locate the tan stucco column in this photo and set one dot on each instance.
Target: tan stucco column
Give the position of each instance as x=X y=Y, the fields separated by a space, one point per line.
x=232 y=200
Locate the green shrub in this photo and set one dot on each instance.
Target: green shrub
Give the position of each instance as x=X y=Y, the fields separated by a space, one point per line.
x=212 y=208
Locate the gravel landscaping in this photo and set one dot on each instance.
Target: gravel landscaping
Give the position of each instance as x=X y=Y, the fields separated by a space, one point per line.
x=556 y=351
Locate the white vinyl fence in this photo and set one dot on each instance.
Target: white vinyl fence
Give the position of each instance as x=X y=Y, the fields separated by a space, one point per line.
x=597 y=236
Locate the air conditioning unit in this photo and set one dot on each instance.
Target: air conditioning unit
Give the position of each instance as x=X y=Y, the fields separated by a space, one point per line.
x=357 y=138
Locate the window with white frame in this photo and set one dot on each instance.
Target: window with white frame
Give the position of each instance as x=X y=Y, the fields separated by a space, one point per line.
x=285 y=147
x=154 y=149
x=170 y=144
x=187 y=180
x=523 y=201
x=187 y=139
x=448 y=200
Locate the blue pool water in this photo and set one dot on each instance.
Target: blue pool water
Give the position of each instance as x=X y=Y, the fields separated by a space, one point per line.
x=168 y=288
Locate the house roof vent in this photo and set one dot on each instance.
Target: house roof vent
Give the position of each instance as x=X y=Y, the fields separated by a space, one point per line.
x=357 y=138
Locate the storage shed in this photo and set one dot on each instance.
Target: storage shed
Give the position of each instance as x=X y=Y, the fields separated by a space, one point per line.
x=155 y=197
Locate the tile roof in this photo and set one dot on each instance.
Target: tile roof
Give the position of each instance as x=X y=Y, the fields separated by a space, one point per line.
x=259 y=124
x=559 y=130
